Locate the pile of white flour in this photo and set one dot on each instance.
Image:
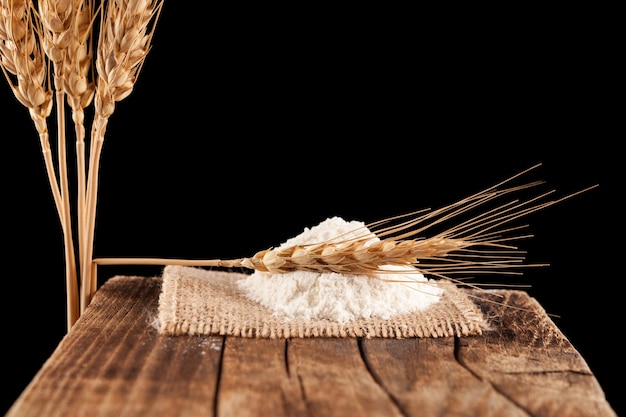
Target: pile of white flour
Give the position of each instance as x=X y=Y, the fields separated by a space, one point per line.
x=338 y=297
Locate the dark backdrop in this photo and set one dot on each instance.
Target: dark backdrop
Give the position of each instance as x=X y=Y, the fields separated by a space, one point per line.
x=245 y=126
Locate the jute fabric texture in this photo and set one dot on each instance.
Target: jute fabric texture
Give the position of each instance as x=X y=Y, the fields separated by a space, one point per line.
x=196 y=301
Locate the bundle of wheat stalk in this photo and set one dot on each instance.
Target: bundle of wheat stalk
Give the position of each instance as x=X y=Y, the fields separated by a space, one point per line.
x=47 y=53
x=467 y=244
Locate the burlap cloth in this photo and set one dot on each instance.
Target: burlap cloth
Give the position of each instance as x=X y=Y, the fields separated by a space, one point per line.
x=195 y=301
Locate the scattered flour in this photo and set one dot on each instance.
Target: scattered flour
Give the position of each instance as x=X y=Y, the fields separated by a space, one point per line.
x=338 y=297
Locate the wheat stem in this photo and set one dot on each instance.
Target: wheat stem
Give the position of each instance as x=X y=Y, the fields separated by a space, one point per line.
x=79 y=88
x=25 y=66
x=68 y=241
x=88 y=286
x=232 y=263
x=50 y=171
x=71 y=283
x=57 y=20
x=126 y=31
x=81 y=184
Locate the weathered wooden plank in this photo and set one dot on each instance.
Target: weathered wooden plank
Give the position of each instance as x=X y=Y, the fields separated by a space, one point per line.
x=335 y=380
x=424 y=378
x=527 y=359
x=256 y=380
x=114 y=363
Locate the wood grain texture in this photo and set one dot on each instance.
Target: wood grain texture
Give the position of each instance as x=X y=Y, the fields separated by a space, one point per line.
x=256 y=381
x=114 y=363
x=424 y=376
x=336 y=381
x=527 y=359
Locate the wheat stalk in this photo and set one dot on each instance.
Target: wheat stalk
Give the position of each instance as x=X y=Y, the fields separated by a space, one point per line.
x=47 y=37
x=480 y=244
x=61 y=39
x=67 y=38
x=24 y=64
x=124 y=41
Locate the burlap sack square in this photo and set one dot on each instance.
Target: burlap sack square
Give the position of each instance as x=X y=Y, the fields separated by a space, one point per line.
x=196 y=301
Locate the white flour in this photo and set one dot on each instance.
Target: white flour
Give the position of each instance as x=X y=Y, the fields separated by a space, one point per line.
x=338 y=297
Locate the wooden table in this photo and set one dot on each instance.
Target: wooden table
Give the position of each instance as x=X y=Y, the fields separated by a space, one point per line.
x=114 y=363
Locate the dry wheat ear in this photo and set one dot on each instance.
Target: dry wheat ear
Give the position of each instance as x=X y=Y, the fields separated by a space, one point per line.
x=473 y=236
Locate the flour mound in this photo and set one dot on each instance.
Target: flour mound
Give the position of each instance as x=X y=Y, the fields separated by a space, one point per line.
x=339 y=297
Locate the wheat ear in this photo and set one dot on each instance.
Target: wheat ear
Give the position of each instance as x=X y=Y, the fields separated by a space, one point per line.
x=124 y=41
x=480 y=244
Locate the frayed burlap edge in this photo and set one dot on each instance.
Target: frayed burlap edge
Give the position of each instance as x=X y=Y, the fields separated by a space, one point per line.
x=195 y=301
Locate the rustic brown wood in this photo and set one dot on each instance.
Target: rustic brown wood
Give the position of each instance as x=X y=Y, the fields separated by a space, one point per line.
x=335 y=381
x=255 y=380
x=527 y=359
x=423 y=376
x=114 y=363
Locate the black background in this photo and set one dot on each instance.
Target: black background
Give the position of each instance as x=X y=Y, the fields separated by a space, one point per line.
x=246 y=125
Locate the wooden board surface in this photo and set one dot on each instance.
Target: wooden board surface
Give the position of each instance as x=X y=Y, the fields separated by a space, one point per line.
x=114 y=363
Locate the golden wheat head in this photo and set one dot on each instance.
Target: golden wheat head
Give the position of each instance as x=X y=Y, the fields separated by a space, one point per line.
x=23 y=60
x=476 y=237
x=124 y=42
x=482 y=243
